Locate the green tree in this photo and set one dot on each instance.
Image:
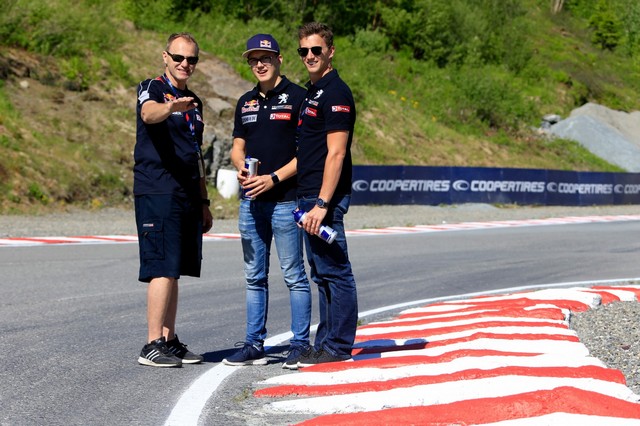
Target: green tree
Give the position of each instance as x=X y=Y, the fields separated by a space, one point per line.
x=607 y=28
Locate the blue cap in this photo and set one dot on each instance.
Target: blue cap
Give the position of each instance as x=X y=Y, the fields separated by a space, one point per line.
x=261 y=42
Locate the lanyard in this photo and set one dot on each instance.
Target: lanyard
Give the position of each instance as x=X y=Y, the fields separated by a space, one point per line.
x=192 y=128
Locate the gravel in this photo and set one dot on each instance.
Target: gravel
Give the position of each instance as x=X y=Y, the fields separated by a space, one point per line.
x=610 y=332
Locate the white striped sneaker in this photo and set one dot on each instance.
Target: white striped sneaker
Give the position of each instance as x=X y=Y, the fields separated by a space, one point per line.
x=156 y=354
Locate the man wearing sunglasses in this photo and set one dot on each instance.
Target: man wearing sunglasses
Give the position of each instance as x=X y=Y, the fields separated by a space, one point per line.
x=325 y=132
x=265 y=128
x=171 y=203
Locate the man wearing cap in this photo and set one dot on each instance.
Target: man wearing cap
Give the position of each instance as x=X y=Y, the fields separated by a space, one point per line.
x=265 y=128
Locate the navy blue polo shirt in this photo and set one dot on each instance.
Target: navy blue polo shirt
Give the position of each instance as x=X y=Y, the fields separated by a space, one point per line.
x=165 y=156
x=268 y=126
x=328 y=106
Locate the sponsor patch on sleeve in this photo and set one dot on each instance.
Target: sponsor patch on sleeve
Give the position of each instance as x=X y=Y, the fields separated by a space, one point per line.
x=340 y=108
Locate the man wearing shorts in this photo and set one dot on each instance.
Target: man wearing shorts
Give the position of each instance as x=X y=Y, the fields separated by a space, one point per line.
x=171 y=202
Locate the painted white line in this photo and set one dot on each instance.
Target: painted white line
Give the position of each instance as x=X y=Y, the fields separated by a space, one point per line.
x=187 y=410
x=486 y=362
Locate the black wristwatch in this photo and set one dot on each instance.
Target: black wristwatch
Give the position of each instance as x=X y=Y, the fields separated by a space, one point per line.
x=206 y=202
x=275 y=178
x=321 y=203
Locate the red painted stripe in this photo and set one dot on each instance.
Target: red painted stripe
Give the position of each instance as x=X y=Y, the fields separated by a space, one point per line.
x=45 y=241
x=488 y=410
x=413 y=334
x=404 y=361
x=543 y=313
x=633 y=290
x=584 y=372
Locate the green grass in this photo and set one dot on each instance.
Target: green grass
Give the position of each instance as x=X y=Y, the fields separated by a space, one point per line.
x=84 y=58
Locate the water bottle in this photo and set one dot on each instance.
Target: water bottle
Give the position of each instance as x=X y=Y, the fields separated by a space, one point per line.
x=326 y=232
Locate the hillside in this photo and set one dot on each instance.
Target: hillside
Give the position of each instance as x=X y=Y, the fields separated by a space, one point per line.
x=67 y=120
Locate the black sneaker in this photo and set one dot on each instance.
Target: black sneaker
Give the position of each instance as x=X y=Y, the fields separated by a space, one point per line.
x=320 y=356
x=156 y=354
x=180 y=350
x=248 y=355
x=294 y=355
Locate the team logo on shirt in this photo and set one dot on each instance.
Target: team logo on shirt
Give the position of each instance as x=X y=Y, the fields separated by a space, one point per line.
x=251 y=106
x=340 y=108
x=311 y=112
x=278 y=107
x=283 y=98
x=249 y=118
x=318 y=94
x=280 y=116
x=314 y=103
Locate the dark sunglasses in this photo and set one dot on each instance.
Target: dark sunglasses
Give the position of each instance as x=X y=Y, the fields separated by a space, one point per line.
x=304 y=51
x=191 y=60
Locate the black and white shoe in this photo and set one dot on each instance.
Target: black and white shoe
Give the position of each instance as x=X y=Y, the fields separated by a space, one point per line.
x=156 y=354
x=294 y=355
x=180 y=350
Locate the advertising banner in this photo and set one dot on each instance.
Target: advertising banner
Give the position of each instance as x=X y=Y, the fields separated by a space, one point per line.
x=457 y=185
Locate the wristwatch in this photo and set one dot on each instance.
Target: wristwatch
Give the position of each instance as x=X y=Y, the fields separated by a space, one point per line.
x=321 y=203
x=275 y=178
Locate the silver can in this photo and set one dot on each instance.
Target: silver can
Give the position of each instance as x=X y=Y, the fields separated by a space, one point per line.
x=250 y=164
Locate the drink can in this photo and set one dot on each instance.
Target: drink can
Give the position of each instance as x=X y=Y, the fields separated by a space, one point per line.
x=250 y=164
x=327 y=233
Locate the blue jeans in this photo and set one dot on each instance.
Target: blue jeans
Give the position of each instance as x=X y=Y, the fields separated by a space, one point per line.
x=331 y=271
x=259 y=223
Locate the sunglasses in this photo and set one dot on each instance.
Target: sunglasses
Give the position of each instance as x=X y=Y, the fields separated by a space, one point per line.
x=304 y=51
x=191 y=60
x=265 y=60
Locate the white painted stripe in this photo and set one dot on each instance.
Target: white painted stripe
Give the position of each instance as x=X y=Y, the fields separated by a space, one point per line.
x=464 y=314
x=444 y=393
x=360 y=375
x=537 y=346
x=400 y=328
x=509 y=332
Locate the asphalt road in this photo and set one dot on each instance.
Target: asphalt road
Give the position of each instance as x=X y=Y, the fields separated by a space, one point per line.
x=73 y=317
